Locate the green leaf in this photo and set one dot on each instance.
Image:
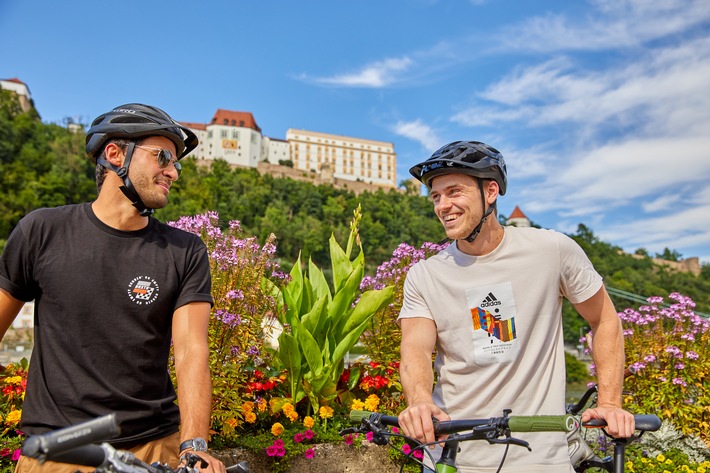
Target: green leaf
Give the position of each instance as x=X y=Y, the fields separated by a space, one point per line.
x=318 y=282
x=369 y=303
x=290 y=357
x=308 y=345
x=340 y=264
x=312 y=318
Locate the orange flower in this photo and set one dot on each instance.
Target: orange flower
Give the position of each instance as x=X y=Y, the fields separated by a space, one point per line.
x=277 y=429
x=325 y=412
x=250 y=417
x=308 y=422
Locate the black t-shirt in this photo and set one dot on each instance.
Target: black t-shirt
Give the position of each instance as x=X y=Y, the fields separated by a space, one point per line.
x=104 y=303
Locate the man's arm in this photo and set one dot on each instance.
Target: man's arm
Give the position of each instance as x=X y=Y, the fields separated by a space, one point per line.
x=608 y=355
x=9 y=308
x=190 y=332
x=418 y=339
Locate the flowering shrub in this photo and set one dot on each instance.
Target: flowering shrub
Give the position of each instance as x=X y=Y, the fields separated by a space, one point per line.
x=365 y=379
x=382 y=337
x=669 y=348
x=245 y=282
x=671 y=462
x=13 y=381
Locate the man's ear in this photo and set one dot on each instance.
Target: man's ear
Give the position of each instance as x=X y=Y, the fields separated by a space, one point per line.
x=492 y=190
x=114 y=154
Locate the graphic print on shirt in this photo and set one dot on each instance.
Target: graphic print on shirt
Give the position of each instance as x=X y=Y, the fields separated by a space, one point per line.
x=493 y=321
x=143 y=290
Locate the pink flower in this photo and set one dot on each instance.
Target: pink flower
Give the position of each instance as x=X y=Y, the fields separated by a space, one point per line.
x=309 y=434
x=418 y=454
x=406 y=449
x=369 y=436
x=298 y=438
x=16 y=455
x=280 y=451
x=271 y=451
x=278 y=443
x=395 y=430
x=349 y=439
x=310 y=453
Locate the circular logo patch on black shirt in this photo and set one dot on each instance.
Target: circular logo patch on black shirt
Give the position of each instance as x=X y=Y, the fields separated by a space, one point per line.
x=143 y=290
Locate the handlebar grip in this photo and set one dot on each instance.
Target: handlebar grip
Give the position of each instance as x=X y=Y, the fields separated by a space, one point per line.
x=86 y=455
x=67 y=438
x=559 y=423
x=358 y=416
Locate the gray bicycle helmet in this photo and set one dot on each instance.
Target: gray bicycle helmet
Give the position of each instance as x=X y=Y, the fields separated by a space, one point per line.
x=465 y=157
x=134 y=121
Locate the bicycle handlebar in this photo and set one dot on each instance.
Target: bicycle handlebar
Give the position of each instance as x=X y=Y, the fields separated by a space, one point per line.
x=537 y=423
x=52 y=445
x=643 y=423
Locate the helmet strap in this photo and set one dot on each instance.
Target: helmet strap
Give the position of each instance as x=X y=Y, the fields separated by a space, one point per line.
x=127 y=188
x=486 y=213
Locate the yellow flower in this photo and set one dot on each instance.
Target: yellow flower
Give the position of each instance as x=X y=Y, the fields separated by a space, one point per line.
x=248 y=406
x=325 y=412
x=13 y=417
x=660 y=458
x=372 y=402
x=277 y=429
x=287 y=408
x=13 y=380
x=308 y=422
x=232 y=422
x=357 y=405
x=250 y=417
x=261 y=405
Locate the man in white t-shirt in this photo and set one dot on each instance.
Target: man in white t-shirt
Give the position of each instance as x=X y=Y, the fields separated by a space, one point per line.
x=491 y=305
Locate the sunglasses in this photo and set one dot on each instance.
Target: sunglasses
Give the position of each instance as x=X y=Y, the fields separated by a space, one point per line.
x=165 y=157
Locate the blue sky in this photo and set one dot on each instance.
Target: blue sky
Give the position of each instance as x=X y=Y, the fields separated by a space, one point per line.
x=601 y=108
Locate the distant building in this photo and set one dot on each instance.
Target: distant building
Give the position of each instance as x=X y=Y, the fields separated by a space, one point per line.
x=26 y=317
x=236 y=138
x=232 y=136
x=348 y=158
x=20 y=88
x=518 y=219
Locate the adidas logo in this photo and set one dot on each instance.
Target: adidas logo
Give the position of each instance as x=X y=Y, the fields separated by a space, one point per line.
x=490 y=301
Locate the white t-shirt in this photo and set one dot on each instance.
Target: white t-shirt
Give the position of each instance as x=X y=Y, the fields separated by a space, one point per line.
x=499 y=337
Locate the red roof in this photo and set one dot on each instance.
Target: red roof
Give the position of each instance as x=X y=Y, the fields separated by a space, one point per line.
x=517 y=213
x=16 y=80
x=231 y=118
x=194 y=126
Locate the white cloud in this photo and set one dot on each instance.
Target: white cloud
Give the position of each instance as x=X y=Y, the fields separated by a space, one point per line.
x=376 y=75
x=620 y=23
x=663 y=202
x=420 y=132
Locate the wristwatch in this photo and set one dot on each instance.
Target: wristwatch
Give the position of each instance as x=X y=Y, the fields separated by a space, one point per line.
x=197 y=444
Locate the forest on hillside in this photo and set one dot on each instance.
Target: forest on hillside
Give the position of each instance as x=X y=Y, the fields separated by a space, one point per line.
x=44 y=165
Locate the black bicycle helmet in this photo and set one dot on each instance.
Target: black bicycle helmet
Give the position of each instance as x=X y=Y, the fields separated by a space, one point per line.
x=134 y=121
x=465 y=157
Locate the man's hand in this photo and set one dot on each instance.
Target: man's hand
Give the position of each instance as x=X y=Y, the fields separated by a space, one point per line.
x=215 y=466
x=416 y=421
x=619 y=423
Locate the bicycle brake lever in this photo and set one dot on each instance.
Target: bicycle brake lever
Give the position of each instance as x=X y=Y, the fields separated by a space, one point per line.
x=349 y=430
x=510 y=441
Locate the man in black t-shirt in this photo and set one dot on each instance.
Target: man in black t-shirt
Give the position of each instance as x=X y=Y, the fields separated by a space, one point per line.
x=113 y=289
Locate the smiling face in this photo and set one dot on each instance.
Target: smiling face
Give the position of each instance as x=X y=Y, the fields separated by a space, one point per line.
x=150 y=181
x=457 y=203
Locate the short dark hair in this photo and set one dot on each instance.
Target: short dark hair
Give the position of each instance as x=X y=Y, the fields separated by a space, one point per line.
x=100 y=169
